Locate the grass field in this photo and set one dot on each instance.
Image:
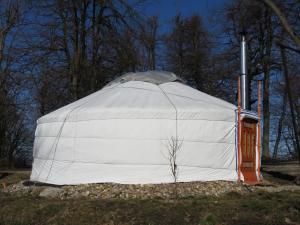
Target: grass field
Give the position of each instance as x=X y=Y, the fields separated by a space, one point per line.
x=253 y=208
x=233 y=208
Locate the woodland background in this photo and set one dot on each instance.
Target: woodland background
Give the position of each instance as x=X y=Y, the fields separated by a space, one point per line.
x=56 y=51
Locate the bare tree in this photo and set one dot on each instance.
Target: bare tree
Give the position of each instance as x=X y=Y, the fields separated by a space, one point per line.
x=83 y=44
x=280 y=125
x=258 y=20
x=188 y=51
x=284 y=21
x=149 y=40
x=71 y=48
x=174 y=146
x=291 y=103
x=12 y=122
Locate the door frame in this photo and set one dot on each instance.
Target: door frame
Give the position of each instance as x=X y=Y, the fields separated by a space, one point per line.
x=253 y=117
x=249 y=150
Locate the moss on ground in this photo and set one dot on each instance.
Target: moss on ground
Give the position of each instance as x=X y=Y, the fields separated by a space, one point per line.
x=233 y=208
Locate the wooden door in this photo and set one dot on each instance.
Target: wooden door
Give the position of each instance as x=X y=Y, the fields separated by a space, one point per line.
x=248 y=149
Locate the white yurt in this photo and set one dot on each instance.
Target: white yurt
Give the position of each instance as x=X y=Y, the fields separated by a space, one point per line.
x=123 y=133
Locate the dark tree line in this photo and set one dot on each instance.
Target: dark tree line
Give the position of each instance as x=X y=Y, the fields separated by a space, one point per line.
x=267 y=39
x=54 y=52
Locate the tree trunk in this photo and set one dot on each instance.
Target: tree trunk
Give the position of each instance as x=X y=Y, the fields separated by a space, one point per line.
x=266 y=115
x=280 y=125
x=10 y=158
x=93 y=72
x=76 y=55
x=287 y=83
x=283 y=21
x=74 y=88
x=266 y=60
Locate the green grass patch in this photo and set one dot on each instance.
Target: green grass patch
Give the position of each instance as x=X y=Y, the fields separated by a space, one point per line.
x=233 y=208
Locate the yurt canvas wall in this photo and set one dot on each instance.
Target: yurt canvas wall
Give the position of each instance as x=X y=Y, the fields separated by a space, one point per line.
x=122 y=133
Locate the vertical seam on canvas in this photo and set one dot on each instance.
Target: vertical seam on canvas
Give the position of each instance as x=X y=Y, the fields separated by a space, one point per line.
x=60 y=131
x=176 y=120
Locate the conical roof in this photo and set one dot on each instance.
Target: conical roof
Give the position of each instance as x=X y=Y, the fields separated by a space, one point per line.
x=141 y=96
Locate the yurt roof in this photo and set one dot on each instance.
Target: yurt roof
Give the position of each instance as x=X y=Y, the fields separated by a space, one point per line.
x=145 y=95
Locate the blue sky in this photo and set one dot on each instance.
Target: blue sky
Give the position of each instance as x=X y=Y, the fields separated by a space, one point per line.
x=167 y=9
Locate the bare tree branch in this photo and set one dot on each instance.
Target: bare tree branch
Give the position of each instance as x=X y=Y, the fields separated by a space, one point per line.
x=283 y=21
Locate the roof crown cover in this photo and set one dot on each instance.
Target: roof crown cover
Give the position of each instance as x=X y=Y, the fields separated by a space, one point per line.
x=155 y=77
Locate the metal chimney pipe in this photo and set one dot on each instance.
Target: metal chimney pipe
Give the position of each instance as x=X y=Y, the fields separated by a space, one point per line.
x=244 y=75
